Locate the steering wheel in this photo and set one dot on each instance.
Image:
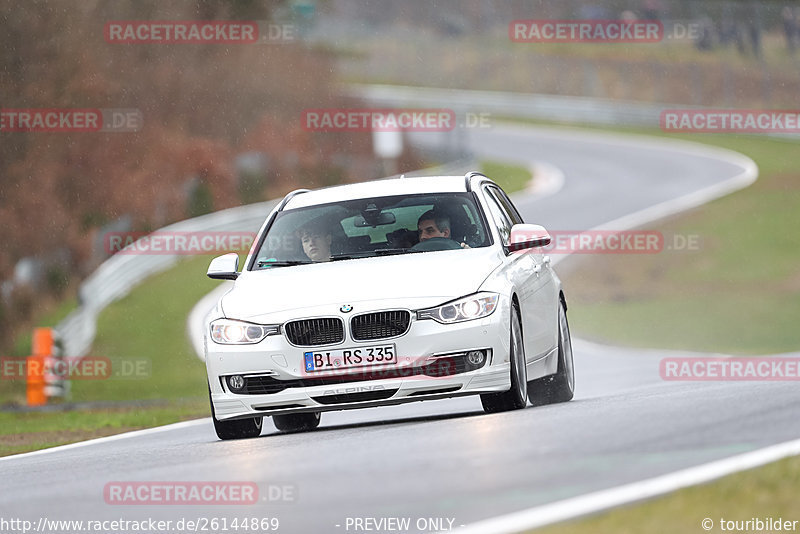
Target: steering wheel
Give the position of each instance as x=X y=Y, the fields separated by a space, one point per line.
x=436 y=243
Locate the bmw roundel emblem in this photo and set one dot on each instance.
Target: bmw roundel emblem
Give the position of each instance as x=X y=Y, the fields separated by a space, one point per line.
x=346 y=308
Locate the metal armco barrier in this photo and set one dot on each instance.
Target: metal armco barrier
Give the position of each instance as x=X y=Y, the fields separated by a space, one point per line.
x=537 y=106
x=119 y=274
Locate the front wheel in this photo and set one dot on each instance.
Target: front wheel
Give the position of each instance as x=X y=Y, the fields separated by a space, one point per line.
x=516 y=397
x=297 y=422
x=236 y=429
x=559 y=387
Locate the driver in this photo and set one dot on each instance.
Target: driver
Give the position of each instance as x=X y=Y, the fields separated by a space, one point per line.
x=434 y=224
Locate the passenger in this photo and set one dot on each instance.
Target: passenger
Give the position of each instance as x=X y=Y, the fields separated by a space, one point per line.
x=402 y=238
x=316 y=241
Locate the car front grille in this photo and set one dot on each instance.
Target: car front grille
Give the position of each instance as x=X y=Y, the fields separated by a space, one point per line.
x=313 y=332
x=379 y=325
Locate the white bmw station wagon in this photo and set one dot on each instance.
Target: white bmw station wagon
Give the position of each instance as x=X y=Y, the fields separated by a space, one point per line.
x=387 y=292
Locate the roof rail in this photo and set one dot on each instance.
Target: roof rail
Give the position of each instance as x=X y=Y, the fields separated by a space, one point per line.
x=289 y=197
x=468 y=178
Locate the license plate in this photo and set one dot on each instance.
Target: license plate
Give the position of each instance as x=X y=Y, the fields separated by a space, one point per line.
x=347 y=358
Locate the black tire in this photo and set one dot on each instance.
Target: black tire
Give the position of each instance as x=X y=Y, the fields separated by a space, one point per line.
x=516 y=397
x=296 y=422
x=236 y=429
x=559 y=387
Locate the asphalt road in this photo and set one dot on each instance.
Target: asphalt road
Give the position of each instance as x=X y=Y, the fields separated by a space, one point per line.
x=445 y=460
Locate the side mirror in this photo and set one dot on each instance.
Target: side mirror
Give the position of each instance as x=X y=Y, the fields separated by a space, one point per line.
x=525 y=236
x=224 y=267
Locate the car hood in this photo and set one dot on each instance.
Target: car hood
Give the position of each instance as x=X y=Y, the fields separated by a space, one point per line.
x=409 y=281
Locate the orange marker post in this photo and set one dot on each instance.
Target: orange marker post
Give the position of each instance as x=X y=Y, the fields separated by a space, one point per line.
x=42 y=348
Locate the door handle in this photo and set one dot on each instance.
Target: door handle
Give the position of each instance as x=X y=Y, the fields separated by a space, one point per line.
x=537 y=268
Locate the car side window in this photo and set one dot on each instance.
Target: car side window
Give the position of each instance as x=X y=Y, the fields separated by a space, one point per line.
x=507 y=205
x=499 y=215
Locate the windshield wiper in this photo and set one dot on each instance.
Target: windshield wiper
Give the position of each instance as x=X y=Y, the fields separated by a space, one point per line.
x=352 y=255
x=390 y=251
x=373 y=253
x=287 y=263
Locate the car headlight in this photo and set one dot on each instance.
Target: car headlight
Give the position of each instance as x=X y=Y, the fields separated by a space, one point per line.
x=464 y=309
x=231 y=332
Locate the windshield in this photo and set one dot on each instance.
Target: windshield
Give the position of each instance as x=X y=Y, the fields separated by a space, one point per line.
x=373 y=227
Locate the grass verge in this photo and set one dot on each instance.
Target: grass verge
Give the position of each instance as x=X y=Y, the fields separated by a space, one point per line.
x=24 y=432
x=766 y=492
x=144 y=337
x=510 y=177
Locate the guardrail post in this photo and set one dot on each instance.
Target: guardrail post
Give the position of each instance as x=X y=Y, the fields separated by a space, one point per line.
x=56 y=376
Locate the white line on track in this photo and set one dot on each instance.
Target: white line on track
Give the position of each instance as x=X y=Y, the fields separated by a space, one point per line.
x=637 y=491
x=115 y=437
x=547 y=180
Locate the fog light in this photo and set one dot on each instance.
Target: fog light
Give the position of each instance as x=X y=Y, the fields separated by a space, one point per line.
x=236 y=382
x=475 y=357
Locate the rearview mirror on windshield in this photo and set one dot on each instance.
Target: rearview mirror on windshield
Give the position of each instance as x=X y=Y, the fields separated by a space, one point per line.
x=374 y=219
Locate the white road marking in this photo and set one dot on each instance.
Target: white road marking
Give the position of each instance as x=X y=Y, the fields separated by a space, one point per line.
x=115 y=437
x=539 y=516
x=547 y=180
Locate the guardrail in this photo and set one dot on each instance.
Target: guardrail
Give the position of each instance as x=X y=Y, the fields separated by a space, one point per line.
x=559 y=108
x=116 y=276
x=599 y=111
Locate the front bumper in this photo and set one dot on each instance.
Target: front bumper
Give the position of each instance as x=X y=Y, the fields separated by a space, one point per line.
x=425 y=343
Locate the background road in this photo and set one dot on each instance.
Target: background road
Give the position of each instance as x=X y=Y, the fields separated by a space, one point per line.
x=447 y=459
